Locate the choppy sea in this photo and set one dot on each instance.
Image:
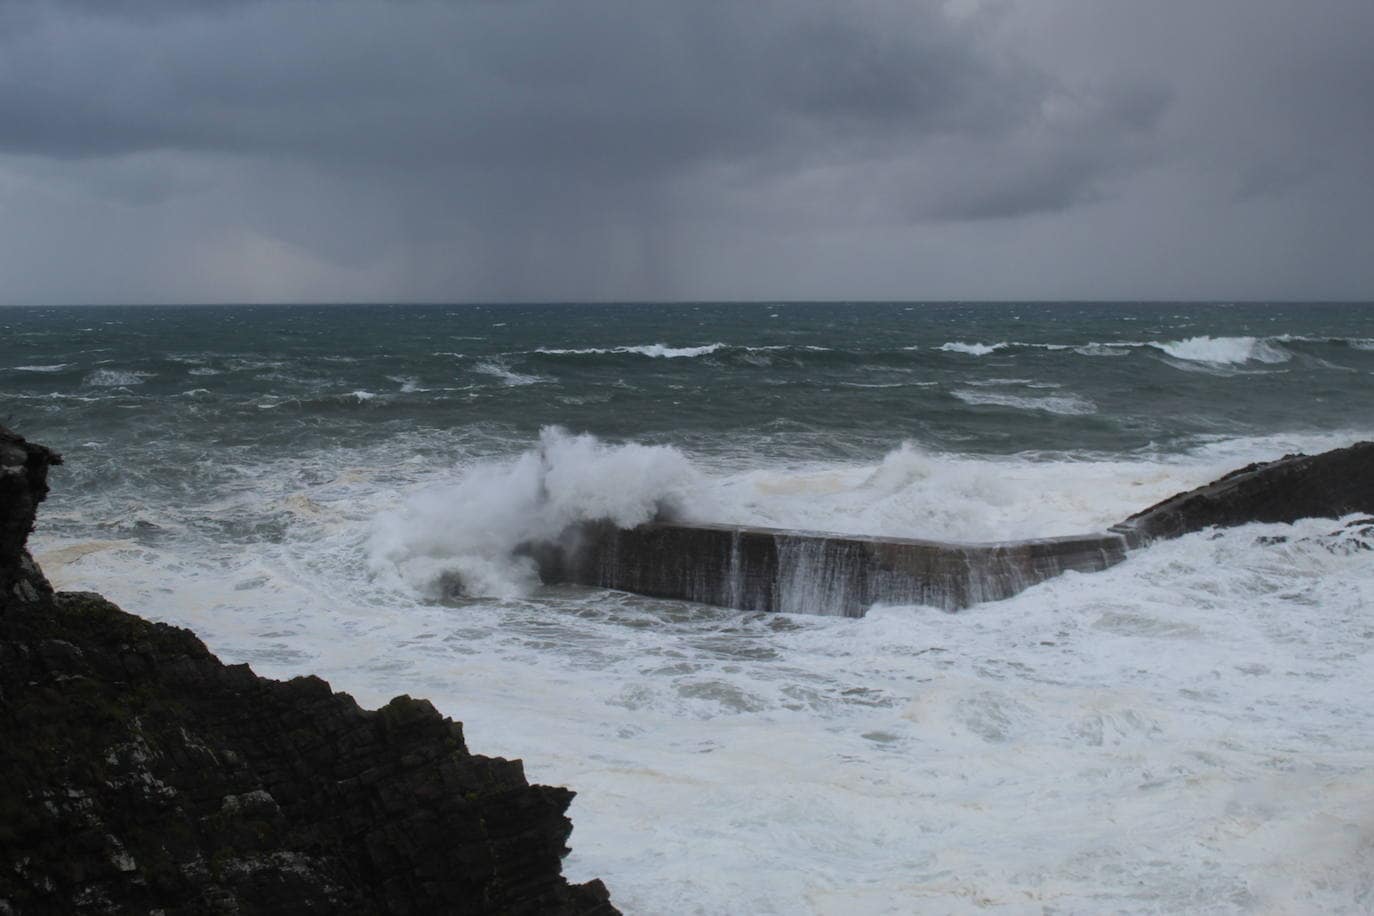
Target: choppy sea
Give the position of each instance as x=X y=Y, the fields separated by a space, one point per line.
x=1190 y=731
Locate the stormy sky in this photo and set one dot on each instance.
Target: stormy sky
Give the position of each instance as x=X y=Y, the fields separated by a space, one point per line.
x=454 y=150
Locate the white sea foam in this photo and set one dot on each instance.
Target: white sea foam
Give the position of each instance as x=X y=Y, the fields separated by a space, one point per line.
x=116 y=378
x=993 y=382
x=1072 y=748
x=409 y=383
x=1066 y=405
x=363 y=395
x=916 y=493
x=1225 y=350
x=655 y=350
x=972 y=349
x=470 y=530
x=55 y=367
x=1101 y=349
x=203 y=370
x=498 y=369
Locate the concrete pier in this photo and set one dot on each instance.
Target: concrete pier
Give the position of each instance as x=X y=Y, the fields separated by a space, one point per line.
x=807 y=572
x=803 y=572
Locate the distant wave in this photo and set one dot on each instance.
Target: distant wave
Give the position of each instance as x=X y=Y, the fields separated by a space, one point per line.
x=981 y=349
x=1101 y=349
x=1065 y=405
x=1228 y=351
x=1203 y=351
x=55 y=367
x=655 y=350
x=501 y=371
x=971 y=349
x=116 y=378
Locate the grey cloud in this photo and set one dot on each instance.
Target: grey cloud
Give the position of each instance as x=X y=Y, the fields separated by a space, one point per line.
x=642 y=89
x=542 y=148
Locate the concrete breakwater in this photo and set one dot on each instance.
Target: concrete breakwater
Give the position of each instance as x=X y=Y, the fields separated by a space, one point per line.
x=766 y=569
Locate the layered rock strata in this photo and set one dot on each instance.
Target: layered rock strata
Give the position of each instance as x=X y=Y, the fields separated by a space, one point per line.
x=143 y=775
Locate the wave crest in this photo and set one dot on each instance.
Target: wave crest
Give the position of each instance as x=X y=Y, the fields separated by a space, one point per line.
x=1231 y=351
x=465 y=538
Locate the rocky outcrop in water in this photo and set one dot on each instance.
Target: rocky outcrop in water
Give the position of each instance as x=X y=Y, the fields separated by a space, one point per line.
x=23 y=485
x=1329 y=485
x=143 y=775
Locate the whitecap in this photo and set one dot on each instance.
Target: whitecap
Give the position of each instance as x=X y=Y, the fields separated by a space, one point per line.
x=513 y=379
x=1105 y=349
x=409 y=383
x=655 y=350
x=55 y=367
x=971 y=349
x=468 y=532
x=1229 y=351
x=116 y=378
x=988 y=382
x=1065 y=405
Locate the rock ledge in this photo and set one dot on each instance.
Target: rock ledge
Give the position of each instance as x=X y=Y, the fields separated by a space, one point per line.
x=143 y=775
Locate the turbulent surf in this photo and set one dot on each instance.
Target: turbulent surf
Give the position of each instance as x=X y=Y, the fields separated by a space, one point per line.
x=350 y=491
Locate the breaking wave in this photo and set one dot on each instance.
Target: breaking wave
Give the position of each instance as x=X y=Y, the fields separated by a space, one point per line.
x=1229 y=351
x=971 y=349
x=655 y=350
x=497 y=369
x=464 y=539
x=116 y=378
x=1065 y=405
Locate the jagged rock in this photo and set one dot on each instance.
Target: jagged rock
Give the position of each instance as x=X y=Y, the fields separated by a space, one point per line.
x=141 y=774
x=23 y=485
x=1328 y=485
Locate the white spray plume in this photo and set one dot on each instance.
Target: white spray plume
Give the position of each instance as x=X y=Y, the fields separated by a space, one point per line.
x=471 y=529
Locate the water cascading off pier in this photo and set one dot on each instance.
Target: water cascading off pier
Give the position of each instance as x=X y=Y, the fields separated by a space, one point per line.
x=806 y=572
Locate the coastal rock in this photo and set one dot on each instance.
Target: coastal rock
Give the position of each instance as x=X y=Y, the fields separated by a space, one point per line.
x=1329 y=485
x=142 y=775
x=23 y=485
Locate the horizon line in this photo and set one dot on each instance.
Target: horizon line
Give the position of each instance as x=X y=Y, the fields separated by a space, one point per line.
x=501 y=303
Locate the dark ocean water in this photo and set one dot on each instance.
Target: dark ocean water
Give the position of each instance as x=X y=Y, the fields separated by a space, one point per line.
x=1160 y=737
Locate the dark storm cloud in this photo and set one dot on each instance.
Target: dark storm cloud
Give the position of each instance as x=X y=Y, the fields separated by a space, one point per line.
x=603 y=93
x=534 y=148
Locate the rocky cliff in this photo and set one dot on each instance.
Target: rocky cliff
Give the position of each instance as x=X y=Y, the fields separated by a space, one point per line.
x=142 y=775
x=1329 y=485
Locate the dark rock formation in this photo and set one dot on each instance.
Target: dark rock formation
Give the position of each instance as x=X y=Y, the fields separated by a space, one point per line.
x=23 y=485
x=141 y=775
x=1328 y=485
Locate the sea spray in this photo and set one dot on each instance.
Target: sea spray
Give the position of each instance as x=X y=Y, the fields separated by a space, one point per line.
x=465 y=538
